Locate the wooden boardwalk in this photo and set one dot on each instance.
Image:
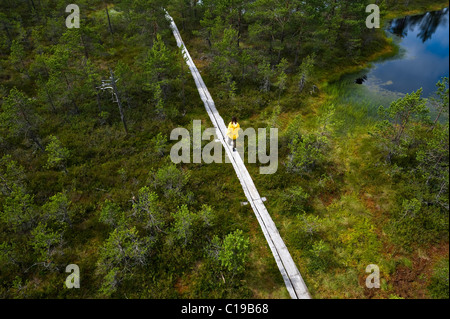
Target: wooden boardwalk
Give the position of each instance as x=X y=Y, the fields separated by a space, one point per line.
x=292 y=278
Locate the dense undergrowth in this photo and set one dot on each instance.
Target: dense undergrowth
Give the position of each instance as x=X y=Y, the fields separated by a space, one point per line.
x=76 y=188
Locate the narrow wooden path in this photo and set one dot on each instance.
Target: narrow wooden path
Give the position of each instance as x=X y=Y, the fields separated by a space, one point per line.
x=292 y=278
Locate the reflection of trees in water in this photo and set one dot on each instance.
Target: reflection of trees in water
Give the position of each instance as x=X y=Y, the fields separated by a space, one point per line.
x=427 y=23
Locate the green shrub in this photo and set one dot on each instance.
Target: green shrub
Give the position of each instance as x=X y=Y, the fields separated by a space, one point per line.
x=306 y=152
x=172 y=182
x=295 y=199
x=439 y=285
x=57 y=154
x=320 y=256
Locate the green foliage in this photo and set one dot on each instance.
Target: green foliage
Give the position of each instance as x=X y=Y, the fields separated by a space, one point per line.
x=415 y=223
x=305 y=72
x=159 y=102
x=394 y=133
x=441 y=99
x=19 y=211
x=57 y=210
x=295 y=199
x=206 y=216
x=306 y=152
x=439 y=285
x=17 y=117
x=183 y=224
x=125 y=250
x=233 y=252
x=360 y=244
x=104 y=117
x=47 y=92
x=226 y=50
x=159 y=144
x=146 y=210
x=282 y=77
x=320 y=256
x=433 y=166
x=256 y=52
x=44 y=242
x=229 y=85
x=395 y=297
x=187 y=224
x=11 y=175
x=266 y=73
x=57 y=154
x=111 y=214
x=410 y=208
x=160 y=65
x=17 y=56
x=110 y=282
x=172 y=182
x=274 y=121
x=305 y=230
x=327 y=119
x=9 y=254
x=417 y=151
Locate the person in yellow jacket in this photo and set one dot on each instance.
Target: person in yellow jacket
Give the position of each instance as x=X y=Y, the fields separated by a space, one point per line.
x=233 y=132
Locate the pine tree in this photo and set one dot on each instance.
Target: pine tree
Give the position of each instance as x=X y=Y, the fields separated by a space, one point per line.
x=234 y=251
x=44 y=242
x=111 y=214
x=12 y=175
x=304 y=71
x=57 y=154
x=266 y=73
x=19 y=211
x=394 y=132
x=123 y=249
x=433 y=166
x=282 y=77
x=172 y=182
x=160 y=66
x=18 y=118
x=183 y=224
x=306 y=152
x=57 y=211
x=441 y=100
x=17 y=57
x=146 y=210
x=61 y=72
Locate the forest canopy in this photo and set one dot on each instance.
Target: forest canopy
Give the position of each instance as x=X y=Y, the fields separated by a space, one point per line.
x=86 y=177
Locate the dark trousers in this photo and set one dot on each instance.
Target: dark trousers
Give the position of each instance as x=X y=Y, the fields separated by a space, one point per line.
x=232 y=142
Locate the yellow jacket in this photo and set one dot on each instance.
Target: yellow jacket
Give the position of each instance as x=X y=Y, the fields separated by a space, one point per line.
x=233 y=130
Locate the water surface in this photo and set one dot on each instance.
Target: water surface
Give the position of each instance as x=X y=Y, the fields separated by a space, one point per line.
x=422 y=61
x=424 y=55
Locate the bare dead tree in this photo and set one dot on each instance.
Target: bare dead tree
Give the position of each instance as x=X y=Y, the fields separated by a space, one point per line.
x=109 y=20
x=111 y=84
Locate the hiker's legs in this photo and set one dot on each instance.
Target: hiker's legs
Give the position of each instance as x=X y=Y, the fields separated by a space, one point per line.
x=232 y=143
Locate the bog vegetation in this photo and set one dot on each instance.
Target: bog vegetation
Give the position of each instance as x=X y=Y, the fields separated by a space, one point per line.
x=86 y=177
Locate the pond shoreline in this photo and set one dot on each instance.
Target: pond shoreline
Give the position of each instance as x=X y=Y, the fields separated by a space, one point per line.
x=389 y=50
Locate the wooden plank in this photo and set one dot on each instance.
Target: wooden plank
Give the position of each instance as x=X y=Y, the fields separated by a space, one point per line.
x=291 y=276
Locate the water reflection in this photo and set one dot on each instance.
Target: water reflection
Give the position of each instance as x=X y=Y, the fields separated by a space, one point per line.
x=427 y=24
x=423 y=58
